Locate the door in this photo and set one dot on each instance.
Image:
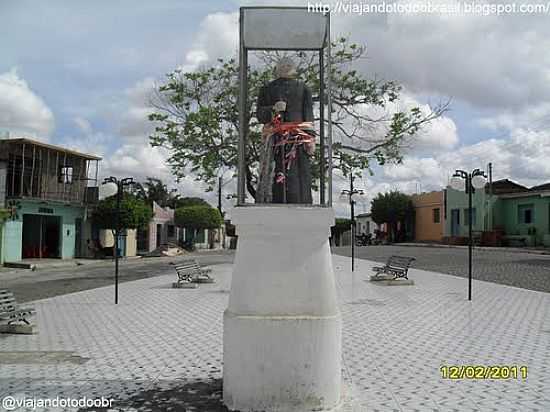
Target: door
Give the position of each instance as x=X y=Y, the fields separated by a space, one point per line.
x=41 y=236
x=78 y=237
x=455 y=222
x=159 y=235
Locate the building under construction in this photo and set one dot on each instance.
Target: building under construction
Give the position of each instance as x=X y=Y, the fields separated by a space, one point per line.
x=48 y=189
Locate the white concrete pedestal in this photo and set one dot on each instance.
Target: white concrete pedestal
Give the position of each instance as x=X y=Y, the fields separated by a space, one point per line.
x=282 y=327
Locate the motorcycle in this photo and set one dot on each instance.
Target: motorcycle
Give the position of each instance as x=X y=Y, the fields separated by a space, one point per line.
x=364 y=239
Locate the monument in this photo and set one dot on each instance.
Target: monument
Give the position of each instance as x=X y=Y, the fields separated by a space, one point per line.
x=282 y=326
x=285 y=107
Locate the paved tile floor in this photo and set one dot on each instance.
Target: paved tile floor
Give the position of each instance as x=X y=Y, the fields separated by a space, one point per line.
x=161 y=348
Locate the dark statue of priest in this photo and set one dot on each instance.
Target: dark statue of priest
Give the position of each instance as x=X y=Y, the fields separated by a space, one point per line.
x=285 y=108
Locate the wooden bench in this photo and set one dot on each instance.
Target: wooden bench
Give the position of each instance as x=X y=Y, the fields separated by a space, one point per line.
x=189 y=271
x=11 y=312
x=396 y=267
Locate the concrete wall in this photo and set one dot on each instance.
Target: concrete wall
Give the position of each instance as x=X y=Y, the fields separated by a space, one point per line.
x=13 y=236
x=131 y=242
x=425 y=227
x=128 y=243
x=1 y=243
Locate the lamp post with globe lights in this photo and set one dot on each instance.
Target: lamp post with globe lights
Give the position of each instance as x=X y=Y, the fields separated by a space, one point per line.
x=468 y=182
x=112 y=186
x=352 y=194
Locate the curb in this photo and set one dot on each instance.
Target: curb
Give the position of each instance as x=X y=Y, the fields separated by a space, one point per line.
x=483 y=248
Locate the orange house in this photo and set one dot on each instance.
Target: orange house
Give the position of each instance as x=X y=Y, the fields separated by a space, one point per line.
x=429 y=222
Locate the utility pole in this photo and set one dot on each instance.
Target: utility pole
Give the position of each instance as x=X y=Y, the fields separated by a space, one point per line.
x=490 y=211
x=220 y=195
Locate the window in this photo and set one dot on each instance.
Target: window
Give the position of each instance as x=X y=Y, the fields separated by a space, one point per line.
x=467 y=217
x=367 y=227
x=526 y=214
x=65 y=174
x=437 y=215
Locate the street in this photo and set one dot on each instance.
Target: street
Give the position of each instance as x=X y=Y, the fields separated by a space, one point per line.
x=48 y=282
x=520 y=269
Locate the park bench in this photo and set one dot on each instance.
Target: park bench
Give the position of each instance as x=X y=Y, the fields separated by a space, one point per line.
x=396 y=266
x=11 y=312
x=189 y=271
x=516 y=240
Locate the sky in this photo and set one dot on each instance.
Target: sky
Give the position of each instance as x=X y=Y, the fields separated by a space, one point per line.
x=80 y=74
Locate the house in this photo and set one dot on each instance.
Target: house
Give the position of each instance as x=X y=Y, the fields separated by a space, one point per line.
x=364 y=224
x=525 y=216
x=47 y=188
x=521 y=214
x=429 y=216
x=483 y=207
x=160 y=231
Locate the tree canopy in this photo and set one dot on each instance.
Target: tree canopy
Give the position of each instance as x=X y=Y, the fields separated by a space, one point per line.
x=196 y=116
x=155 y=190
x=4 y=215
x=134 y=213
x=390 y=208
x=191 y=201
x=198 y=217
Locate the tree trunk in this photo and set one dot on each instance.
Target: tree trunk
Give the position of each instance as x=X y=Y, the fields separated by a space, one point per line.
x=249 y=186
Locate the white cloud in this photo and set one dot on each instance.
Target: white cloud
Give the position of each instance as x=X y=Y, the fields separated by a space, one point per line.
x=217 y=37
x=133 y=123
x=23 y=112
x=488 y=61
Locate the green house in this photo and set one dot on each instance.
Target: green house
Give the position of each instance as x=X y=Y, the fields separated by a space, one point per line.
x=47 y=188
x=525 y=215
x=522 y=213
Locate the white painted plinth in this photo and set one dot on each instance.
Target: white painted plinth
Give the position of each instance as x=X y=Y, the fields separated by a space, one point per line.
x=282 y=327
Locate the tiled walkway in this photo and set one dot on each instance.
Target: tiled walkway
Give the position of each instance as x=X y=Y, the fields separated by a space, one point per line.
x=161 y=348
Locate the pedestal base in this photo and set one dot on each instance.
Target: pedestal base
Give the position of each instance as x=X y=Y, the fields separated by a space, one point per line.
x=282 y=327
x=281 y=364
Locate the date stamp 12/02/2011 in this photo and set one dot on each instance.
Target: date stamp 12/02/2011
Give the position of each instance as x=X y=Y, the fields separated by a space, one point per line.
x=456 y=372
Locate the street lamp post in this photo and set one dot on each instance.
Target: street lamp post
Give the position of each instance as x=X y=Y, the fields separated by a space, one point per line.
x=468 y=182
x=352 y=193
x=113 y=186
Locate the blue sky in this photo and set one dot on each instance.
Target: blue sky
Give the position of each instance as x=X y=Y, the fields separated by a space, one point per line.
x=79 y=73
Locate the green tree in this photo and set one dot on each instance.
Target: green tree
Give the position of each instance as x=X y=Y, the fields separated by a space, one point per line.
x=155 y=190
x=196 y=116
x=390 y=208
x=196 y=218
x=134 y=213
x=4 y=215
x=190 y=201
x=341 y=226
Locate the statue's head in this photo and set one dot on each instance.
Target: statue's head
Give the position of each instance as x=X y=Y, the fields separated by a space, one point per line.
x=285 y=68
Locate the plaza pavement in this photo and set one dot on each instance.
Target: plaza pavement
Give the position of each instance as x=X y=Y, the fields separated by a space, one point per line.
x=161 y=348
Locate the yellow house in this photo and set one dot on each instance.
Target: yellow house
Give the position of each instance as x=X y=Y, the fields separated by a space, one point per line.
x=429 y=216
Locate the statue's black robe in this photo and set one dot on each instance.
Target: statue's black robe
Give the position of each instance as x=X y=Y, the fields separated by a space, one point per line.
x=299 y=108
